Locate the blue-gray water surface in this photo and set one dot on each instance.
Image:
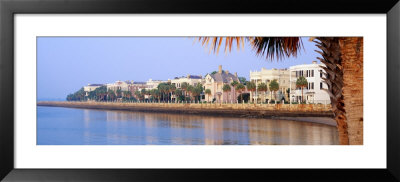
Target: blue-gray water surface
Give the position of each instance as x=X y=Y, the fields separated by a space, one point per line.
x=69 y=126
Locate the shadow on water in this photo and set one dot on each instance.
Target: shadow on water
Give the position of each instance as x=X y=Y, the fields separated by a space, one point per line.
x=67 y=126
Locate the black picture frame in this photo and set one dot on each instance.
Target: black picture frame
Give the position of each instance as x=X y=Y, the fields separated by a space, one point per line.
x=8 y=8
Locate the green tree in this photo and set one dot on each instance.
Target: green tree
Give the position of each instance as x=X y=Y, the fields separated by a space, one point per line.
x=172 y=89
x=196 y=91
x=233 y=84
x=242 y=80
x=184 y=87
x=240 y=88
x=251 y=86
x=164 y=90
x=138 y=95
x=127 y=95
x=208 y=93
x=288 y=93
x=190 y=90
x=154 y=94
x=226 y=88
x=301 y=82
x=179 y=95
x=273 y=87
x=118 y=93
x=100 y=93
x=263 y=87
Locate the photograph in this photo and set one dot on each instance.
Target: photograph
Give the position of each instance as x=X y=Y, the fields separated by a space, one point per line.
x=167 y=90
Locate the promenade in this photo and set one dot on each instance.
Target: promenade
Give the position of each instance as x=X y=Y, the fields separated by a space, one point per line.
x=215 y=109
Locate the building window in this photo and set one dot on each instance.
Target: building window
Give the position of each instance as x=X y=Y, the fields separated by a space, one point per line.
x=320 y=74
x=310 y=86
x=312 y=73
x=320 y=85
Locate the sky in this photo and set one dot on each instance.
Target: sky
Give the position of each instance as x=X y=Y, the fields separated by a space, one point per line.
x=66 y=64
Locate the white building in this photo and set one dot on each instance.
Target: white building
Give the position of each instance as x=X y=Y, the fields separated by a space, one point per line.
x=313 y=93
x=137 y=86
x=190 y=79
x=266 y=76
x=119 y=85
x=153 y=84
x=91 y=87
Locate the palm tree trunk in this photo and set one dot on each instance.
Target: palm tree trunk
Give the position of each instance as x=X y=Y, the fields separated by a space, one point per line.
x=352 y=62
x=302 y=97
x=271 y=95
x=333 y=77
x=184 y=96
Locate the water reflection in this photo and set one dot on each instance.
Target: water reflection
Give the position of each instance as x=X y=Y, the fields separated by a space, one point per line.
x=119 y=128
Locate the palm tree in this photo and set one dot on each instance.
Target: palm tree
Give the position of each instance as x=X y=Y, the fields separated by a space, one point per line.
x=118 y=93
x=196 y=91
x=172 y=89
x=263 y=87
x=184 y=87
x=152 y=94
x=345 y=88
x=138 y=95
x=288 y=94
x=240 y=88
x=143 y=94
x=164 y=90
x=270 y=47
x=273 y=87
x=301 y=83
x=100 y=93
x=338 y=54
x=208 y=92
x=251 y=86
x=127 y=94
x=190 y=90
x=178 y=94
x=226 y=88
x=233 y=84
x=156 y=93
x=111 y=94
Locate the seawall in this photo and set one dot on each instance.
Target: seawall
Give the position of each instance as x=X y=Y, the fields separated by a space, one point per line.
x=232 y=110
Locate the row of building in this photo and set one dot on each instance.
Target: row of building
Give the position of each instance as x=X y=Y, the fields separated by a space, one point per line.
x=286 y=78
x=313 y=93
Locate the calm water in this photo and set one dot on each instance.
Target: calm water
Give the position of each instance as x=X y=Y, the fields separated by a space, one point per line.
x=67 y=126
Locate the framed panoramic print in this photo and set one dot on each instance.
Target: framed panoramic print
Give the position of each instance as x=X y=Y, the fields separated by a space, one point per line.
x=132 y=90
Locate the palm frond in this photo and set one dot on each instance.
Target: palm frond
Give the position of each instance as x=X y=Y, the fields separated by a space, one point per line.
x=217 y=42
x=270 y=47
x=276 y=47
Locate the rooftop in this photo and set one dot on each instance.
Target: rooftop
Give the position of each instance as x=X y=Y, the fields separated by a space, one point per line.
x=190 y=77
x=95 y=84
x=224 y=77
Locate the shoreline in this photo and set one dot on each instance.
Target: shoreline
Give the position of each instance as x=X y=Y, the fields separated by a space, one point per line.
x=301 y=113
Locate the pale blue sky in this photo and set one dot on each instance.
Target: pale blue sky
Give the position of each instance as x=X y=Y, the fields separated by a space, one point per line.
x=65 y=64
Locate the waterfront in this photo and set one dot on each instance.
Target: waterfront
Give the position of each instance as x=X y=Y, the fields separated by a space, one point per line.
x=69 y=126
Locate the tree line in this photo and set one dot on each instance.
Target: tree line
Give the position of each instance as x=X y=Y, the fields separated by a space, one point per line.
x=167 y=92
x=101 y=94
